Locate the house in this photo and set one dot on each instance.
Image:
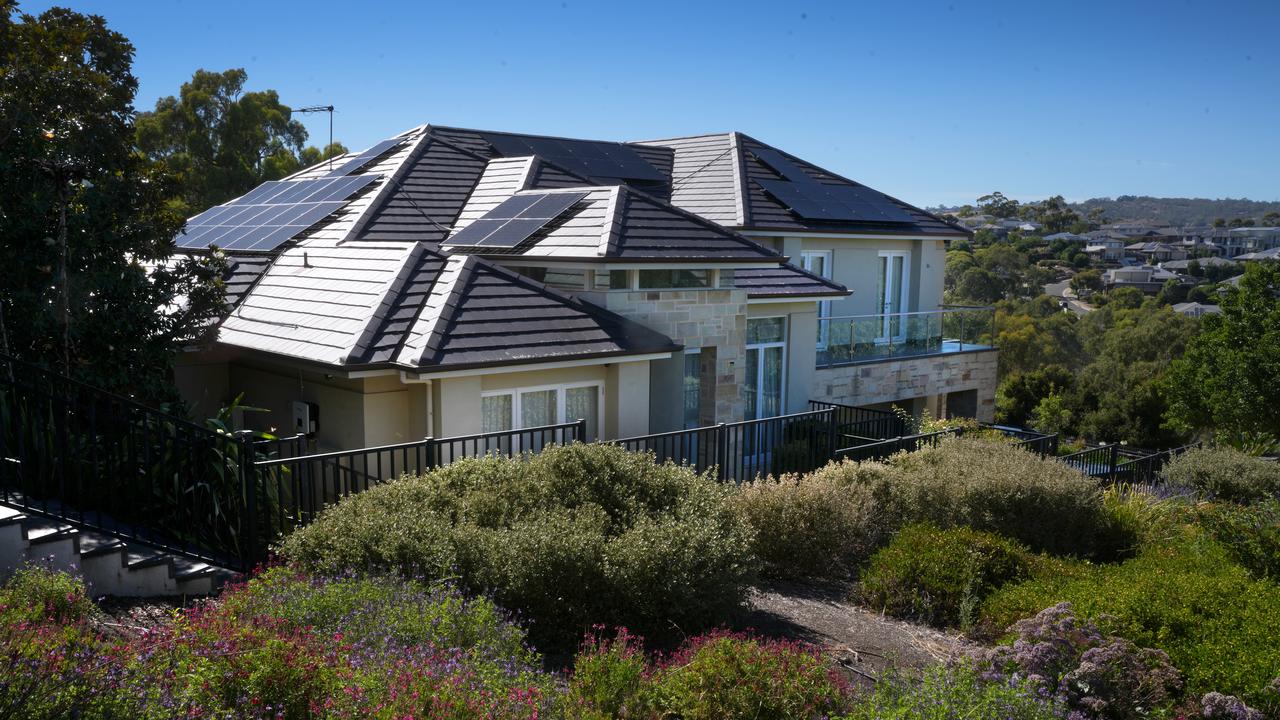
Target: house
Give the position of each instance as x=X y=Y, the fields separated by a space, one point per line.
x=1065 y=237
x=450 y=281
x=1147 y=278
x=1105 y=245
x=1268 y=254
x=1155 y=252
x=1249 y=240
x=1195 y=309
x=1181 y=266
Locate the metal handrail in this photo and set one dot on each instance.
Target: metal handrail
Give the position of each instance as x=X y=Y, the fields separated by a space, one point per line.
x=940 y=311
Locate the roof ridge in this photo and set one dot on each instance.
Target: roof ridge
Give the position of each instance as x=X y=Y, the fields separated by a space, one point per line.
x=394 y=287
x=680 y=137
x=431 y=344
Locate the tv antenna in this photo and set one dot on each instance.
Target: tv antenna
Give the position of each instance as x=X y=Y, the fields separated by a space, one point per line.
x=322 y=108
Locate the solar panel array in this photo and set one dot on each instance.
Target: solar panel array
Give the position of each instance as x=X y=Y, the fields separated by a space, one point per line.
x=589 y=158
x=514 y=220
x=811 y=199
x=364 y=158
x=270 y=214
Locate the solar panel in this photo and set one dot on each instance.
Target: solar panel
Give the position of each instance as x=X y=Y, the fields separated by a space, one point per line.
x=514 y=220
x=270 y=214
x=364 y=158
x=810 y=198
x=590 y=158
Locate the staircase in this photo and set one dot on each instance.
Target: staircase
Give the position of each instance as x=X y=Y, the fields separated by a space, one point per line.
x=110 y=566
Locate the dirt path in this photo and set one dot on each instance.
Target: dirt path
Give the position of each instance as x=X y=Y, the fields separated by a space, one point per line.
x=864 y=642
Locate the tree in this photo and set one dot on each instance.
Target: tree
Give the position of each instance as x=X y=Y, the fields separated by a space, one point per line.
x=1054 y=214
x=1271 y=219
x=1051 y=415
x=1020 y=393
x=221 y=141
x=1219 y=222
x=1172 y=292
x=1086 y=282
x=997 y=205
x=979 y=285
x=87 y=284
x=1117 y=394
x=1226 y=383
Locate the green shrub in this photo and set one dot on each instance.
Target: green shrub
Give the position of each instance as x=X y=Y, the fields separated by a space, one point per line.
x=939 y=576
x=953 y=691
x=995 y=487
x=571 y=537
x=1250 y=533
x=37 y=593
x=1185 y=597
x=808 y=526
x=728 y=677
x=1225 y=474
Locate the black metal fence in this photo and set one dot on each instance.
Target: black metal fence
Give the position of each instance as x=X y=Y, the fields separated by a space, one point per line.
x=1117 y=463
x=299 y=486
x=884 y=448
x=104 y=462
x=99 y=461
x=861 y=425
x=742 y=451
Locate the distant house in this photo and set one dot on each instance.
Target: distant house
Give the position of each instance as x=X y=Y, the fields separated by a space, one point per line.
x=1270 y=254
x=1182 y=265
x=1195 y=309
x=1155 y=252
x=1147 y=278
x=1065 y=236
x=1245 y=241
x=1105 y=244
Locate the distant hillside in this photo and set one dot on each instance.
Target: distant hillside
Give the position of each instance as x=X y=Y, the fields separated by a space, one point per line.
x=1176 y=211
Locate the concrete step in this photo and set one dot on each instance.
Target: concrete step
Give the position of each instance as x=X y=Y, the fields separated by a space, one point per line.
x=110 y=566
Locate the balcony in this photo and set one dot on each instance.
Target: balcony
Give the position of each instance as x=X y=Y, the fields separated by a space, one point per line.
x=852 y=339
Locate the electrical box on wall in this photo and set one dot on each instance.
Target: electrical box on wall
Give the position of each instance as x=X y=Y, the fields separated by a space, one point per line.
x=306 y=418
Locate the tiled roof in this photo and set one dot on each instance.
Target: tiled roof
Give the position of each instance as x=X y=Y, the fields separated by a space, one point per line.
x=786 y=280
x=718 y=177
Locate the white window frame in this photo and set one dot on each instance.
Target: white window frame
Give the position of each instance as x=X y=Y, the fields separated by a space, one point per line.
x=786 y=357
x=824 y=306
x=904 y=294
x=561 y=394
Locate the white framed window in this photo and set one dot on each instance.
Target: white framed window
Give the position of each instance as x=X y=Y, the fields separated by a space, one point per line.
x=527 y=407
x=818 y=262
x=766 y=367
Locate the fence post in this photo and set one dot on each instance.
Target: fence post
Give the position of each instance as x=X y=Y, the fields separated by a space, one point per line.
x=831 y=434
x=722 y=450
x=581 y=429
x=1112 y=452
x=249 y=488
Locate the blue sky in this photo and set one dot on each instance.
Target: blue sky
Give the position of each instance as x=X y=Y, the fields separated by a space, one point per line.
x=934 y=102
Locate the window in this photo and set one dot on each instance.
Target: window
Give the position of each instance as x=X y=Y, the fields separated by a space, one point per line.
x=766 y=330
x=502 y=410
x=612 y=280
x=818 y=262
x=692 y=386
x=726 y=278
x=765 y=367
x=662 y=279
x=565 y=279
